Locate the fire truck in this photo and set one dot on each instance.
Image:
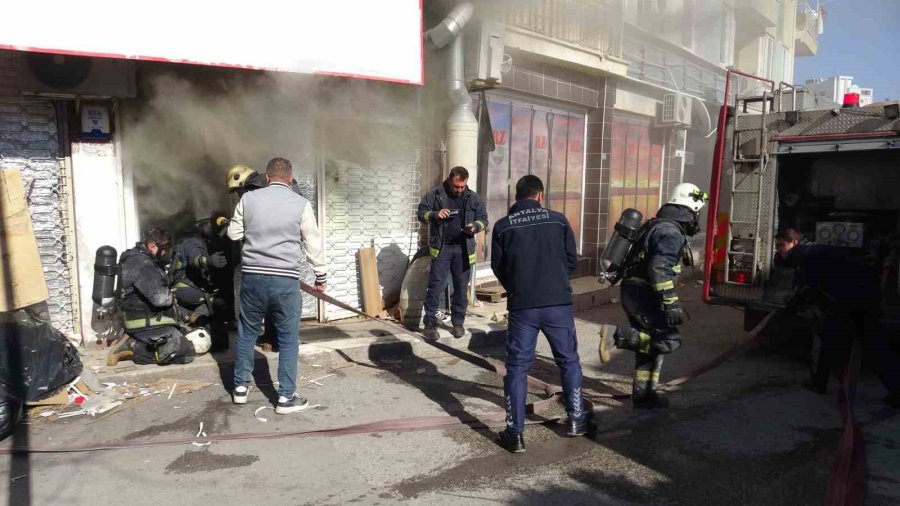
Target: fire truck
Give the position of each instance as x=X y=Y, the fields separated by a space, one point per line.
x=833 y=174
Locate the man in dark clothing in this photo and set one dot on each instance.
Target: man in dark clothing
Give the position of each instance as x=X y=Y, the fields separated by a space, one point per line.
x=846 y=296
x=192 y=271
x=648 y=293
x=533 y=253
x=148 y=306
x=455 y=215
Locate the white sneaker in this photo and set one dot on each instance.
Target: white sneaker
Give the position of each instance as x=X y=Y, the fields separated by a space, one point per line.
x=239 y=395
x=294 y=404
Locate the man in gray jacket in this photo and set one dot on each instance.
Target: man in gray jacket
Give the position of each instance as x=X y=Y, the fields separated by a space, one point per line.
x=276 y=226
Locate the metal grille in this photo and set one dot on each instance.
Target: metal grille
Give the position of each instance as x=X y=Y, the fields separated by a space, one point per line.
x=371 y=205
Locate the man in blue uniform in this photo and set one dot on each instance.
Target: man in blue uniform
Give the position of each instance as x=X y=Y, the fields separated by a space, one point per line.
x=454 y=214
x=648 y=293
x=846 y=294
x=532 y=255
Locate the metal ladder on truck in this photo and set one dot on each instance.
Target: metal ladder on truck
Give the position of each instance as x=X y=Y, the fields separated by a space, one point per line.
x=747 y=172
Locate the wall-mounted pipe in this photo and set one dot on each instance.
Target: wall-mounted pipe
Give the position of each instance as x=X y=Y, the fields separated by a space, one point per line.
x=462 y=127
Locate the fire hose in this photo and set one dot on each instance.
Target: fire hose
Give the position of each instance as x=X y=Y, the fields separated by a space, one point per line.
x=846 y=483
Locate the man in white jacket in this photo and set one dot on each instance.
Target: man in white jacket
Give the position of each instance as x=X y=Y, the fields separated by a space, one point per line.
x=276 y=226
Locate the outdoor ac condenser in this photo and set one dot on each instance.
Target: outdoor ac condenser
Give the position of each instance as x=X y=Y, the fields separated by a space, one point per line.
x=69 y=76
x=675 y=110
x=484 y=54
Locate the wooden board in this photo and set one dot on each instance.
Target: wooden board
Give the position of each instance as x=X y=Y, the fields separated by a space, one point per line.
x=491 y=293
x=22 y=280
x=371 y=286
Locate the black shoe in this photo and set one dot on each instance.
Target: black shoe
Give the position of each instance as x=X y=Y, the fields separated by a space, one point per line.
x=814 y=386
x=458 y=331
x=586 y=425
x=294 y=404
x=651 y=400
x=514 y=443
x=430 y=332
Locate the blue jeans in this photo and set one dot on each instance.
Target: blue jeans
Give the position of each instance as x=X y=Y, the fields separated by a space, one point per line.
x=278 y=299
x=451 y=262
x=558 y=324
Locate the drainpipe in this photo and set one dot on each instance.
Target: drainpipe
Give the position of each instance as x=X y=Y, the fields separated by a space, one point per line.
x=462 y=127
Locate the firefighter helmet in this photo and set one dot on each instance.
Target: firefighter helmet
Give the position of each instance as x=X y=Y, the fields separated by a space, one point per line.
x=689 y=195
x=200 y=340
x=237 y=177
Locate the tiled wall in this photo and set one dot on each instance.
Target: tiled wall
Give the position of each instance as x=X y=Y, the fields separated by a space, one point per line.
x=554 y=82
x=597 y=165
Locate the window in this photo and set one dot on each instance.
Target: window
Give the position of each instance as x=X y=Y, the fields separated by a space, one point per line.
x=767 y=56
x=726 y=55
x=787 y=66
x=545 y=142
x=687 y=25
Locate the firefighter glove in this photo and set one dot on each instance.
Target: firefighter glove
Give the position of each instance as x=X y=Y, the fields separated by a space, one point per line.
x=675 y=314
x=217 y=260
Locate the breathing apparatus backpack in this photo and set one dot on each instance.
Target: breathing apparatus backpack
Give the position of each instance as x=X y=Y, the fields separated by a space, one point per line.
x=620 y=250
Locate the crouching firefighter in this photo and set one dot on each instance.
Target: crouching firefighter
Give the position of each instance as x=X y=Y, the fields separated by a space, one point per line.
x=199 y=256
x=658 y=248
x=149 y=313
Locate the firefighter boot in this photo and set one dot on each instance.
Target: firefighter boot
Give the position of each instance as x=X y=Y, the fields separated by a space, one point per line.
x=607 y=342
x=646 y=378
x=122 y=349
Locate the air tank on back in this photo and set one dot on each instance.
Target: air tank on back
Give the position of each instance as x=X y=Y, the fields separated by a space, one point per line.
x=624 y=235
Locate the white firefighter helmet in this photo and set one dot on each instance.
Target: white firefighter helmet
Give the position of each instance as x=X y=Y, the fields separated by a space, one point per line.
x=200 y=339
x=237 y=177
x=688 y=195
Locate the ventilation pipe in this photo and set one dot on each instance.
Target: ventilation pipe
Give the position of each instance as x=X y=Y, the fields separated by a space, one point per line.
x=462 y=127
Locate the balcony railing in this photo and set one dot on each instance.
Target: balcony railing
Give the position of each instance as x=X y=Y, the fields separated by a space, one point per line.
x=592 y=24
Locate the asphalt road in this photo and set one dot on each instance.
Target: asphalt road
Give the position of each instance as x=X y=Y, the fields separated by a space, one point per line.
x=744 y=433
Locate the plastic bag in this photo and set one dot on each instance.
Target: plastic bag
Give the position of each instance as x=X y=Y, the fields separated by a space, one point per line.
x=10 y=410
x=36 y=360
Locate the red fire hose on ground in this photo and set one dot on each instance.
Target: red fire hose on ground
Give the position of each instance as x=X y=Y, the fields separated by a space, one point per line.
x=846 y=485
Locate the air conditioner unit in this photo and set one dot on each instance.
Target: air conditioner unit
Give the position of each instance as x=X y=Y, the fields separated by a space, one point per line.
x=675 y=110
x=67 y=76
x=484 y=54
x=649 y=6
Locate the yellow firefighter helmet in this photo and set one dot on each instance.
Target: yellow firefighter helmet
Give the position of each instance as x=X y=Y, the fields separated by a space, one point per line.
x=237 y=177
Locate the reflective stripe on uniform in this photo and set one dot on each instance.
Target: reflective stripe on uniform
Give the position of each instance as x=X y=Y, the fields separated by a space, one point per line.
x=472 y=259
x=642 y=375
x=677 y=269
x=665 y=285
x=427 y=216
x=670 y=300
x=141 y=323
x=644 y=345
x=434 y=252
x=654 y=376
x=481 y=225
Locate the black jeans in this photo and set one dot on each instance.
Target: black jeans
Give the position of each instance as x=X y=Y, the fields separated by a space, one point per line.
x=452 y=261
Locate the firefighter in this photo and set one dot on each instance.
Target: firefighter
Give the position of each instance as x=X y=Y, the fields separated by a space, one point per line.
x=455 y=215
x=533 y=254
x=151 y=320
x=844 y=294
x=199 y=255
x=649 y=296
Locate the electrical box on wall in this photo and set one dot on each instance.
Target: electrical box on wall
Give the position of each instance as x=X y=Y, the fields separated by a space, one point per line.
x=484 y=48
x=95 y=121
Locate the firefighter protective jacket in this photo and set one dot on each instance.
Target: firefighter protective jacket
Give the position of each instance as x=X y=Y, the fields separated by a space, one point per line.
x=435 y=200
x=145 y=298
x=658 y=261
x=533 y=253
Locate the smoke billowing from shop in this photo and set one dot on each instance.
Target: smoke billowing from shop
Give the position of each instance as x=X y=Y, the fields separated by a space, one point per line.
x=185 y=131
